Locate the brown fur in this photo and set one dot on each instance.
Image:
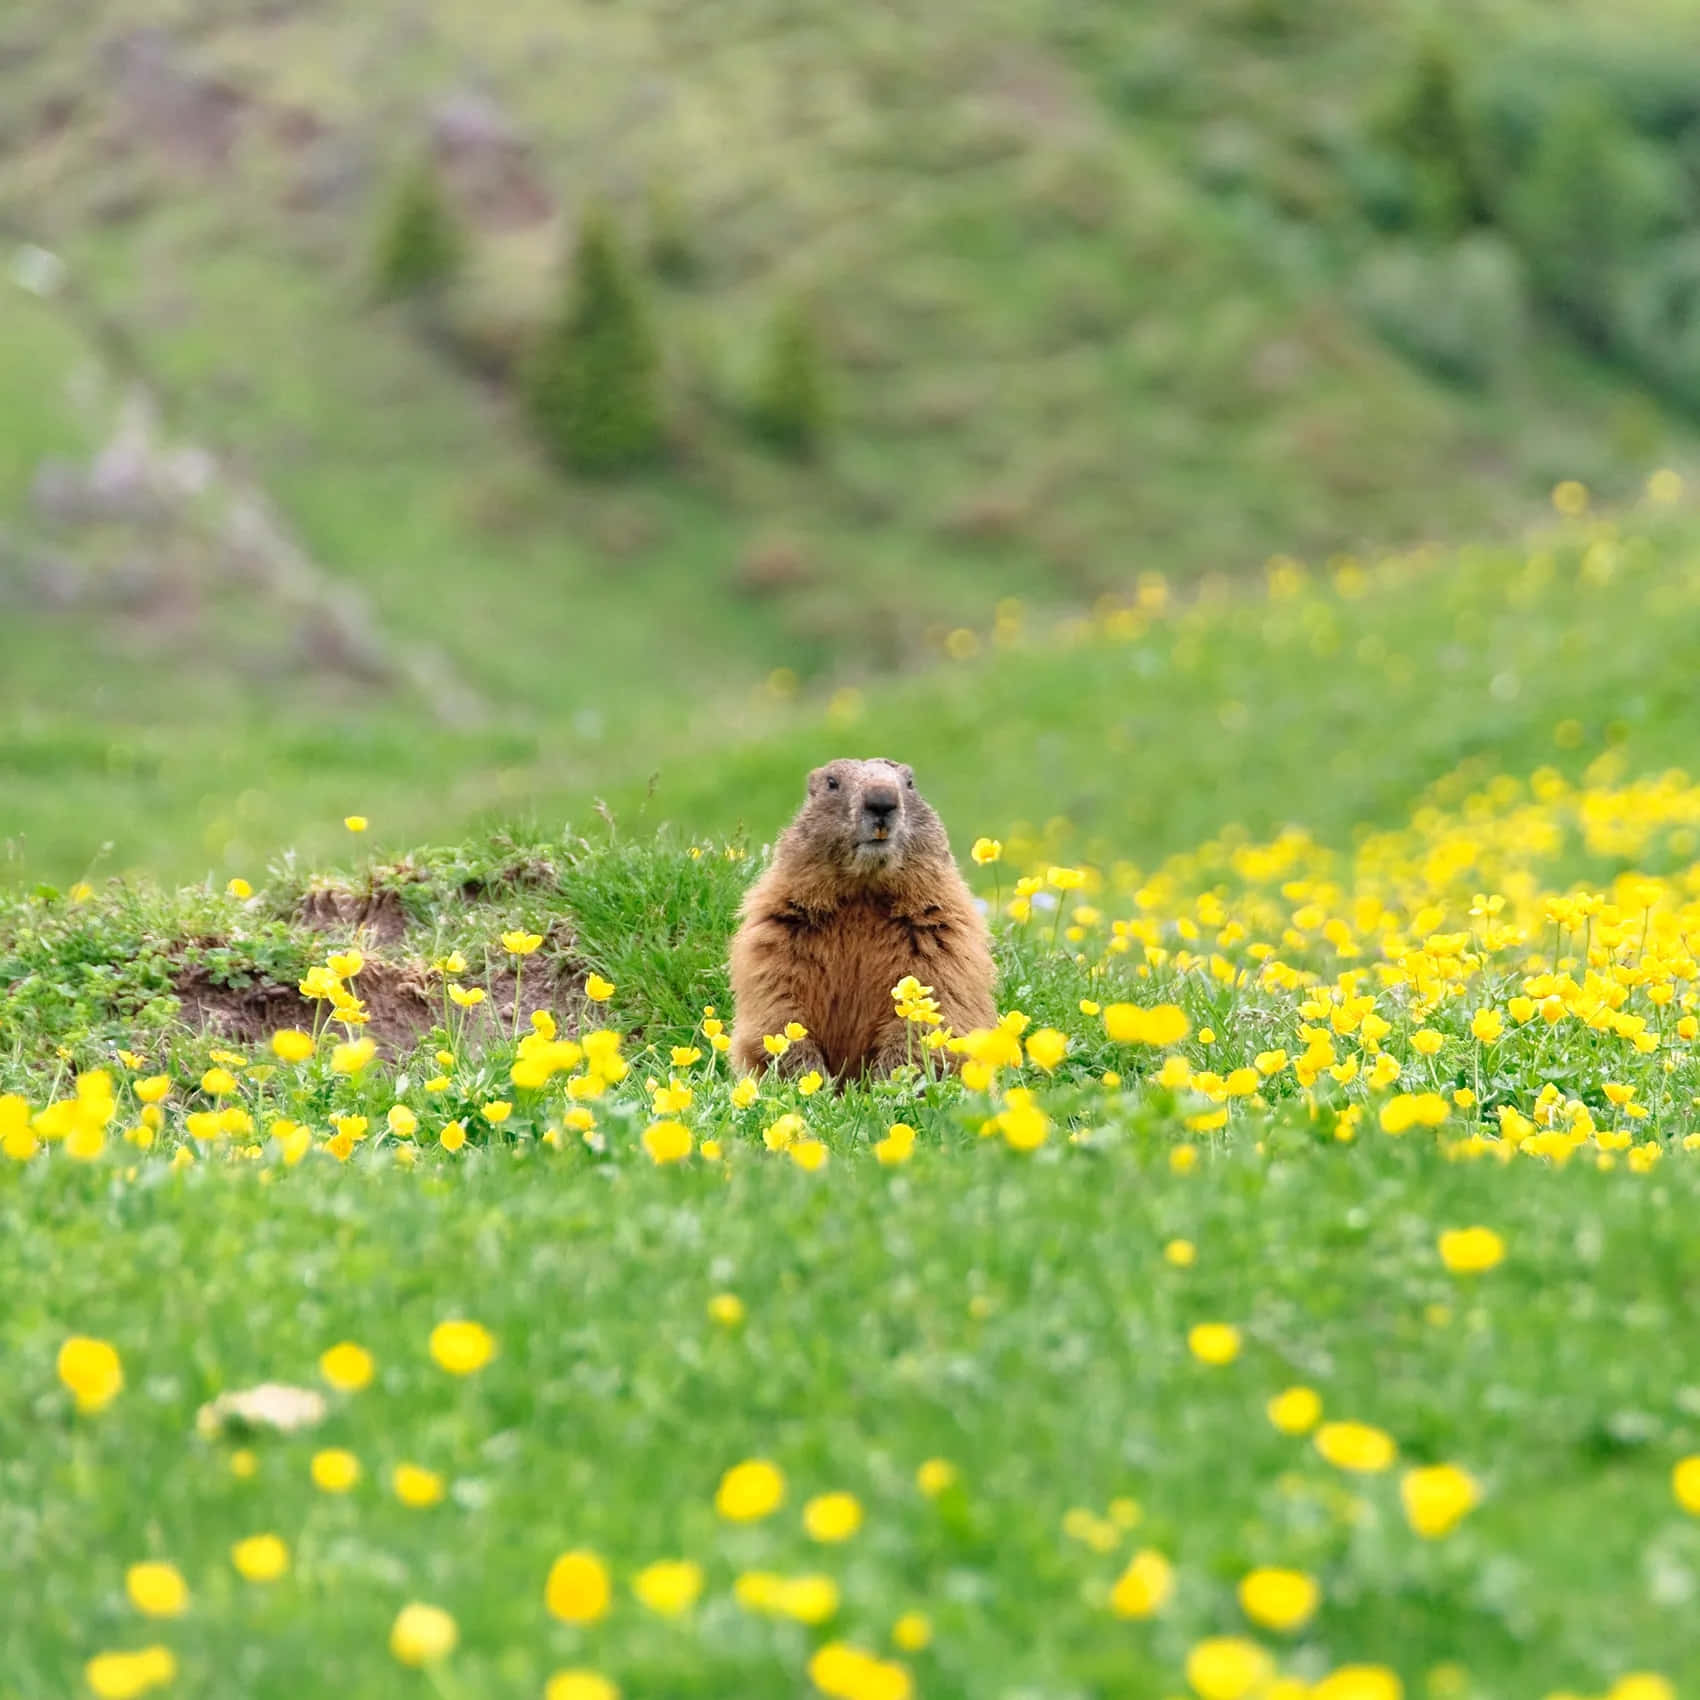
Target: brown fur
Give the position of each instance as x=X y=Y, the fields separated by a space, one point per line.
x=842 y=915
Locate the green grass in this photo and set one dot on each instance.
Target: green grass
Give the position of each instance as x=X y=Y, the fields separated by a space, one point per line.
x=1015 y=1318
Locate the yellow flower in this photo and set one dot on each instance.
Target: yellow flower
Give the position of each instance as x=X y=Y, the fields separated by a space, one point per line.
x=416 y=1486
x=466 y=997
x=1685 y=1484
x=352 y=1056
x=1356 y=1446
x=521 y=943
x=667 y=1142
x=1065 y=879
x=1046 y=1048
x=334 y=1470
x=1296 y=1411
x=808 y=1599
x=727 y=1309
x=986 y=850
x=579 y=1685
x=1426 y=1042
x=1181 y=1253
x=1144 y=1587
x=1025 y=1126
x=1470 y=1251
x=1129 y=1024
x=462 y=1348
x=808 y=1154
x=422 y=1635
x=260 y=1558
x=685 y=1055
x=1228 y=1667
x=1413 y=1109
x=1283 y=1600
x=912 y=1632
x=453 y=1136
x=154 y=1088
x=496 y=1112
x=897 y=1146
x=1360 y=1682
x=347 y=1367
x=239 y=888
x=935 y=1476
x=1487 y=1025
x=597 y=989
x=403 y=1123
x=1214 y=1343
x=123 y=1676
x=355 y=823
x=577 y=1589
x=291 y=1045
x=669 y=1587
x=1641 y=1685
x=92 y=1371
x=832 y=1516
x=219 y=1082
x=1437 y=1498
x=749 y=1491
x=811 y=1083
x=844 y=1672
x=156 y=1589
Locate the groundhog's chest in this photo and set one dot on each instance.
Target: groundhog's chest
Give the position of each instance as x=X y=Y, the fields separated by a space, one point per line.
x=847 y=964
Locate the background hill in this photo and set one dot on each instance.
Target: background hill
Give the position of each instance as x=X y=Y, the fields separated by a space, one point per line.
x=1091 y=298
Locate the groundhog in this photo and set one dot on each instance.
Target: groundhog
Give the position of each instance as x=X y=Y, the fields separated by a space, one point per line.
x=862 y=891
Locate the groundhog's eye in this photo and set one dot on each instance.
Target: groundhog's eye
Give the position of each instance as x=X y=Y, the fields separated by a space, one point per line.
x=910 y=783
x=832 y=784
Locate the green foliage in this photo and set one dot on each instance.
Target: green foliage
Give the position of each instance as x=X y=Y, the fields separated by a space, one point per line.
x=1458 y=310
x=420 y=248
x=1427 y=127
x=789 y=407
x=1581 y=211
x=669 y=245
x=595 y=382
x=1658 y=319
x=655 y=919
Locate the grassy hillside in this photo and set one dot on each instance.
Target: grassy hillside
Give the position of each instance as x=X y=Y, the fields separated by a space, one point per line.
x=1111 y=294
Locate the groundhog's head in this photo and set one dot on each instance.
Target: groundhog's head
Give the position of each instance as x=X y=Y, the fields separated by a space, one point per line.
x=866 y=818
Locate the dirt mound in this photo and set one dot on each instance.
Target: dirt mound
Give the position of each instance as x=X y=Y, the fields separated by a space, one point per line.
x=378 y=915
x=400 y=1003
x=403 y=999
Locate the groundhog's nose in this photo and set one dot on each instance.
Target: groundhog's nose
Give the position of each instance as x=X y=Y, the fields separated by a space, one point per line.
x=880 y=803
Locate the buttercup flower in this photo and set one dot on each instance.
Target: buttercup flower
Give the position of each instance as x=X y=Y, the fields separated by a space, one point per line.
x=750 y=1490
x=462 y=1348
x=423 y=1635
x=577 y=1589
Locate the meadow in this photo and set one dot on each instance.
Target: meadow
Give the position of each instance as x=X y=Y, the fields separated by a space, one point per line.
x=1289 y=1297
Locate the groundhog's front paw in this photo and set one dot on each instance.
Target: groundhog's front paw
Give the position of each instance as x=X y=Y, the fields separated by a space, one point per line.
x=802 y=1056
